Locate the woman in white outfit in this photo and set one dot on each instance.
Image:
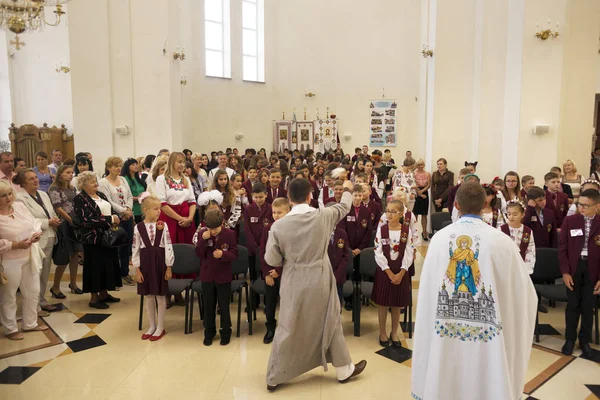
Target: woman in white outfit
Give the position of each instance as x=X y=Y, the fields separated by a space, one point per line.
x=39 y=205
x=21 y=260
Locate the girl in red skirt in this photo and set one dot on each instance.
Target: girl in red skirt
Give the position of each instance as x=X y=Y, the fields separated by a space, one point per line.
x=394 y=254
x=178 y=205
x=152 y=258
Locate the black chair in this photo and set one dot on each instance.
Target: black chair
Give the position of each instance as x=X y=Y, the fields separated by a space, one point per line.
x=446 y=223
x=364 y=287
x=408 y=311
x=349 y=289
x=438 y=219
x=238 y=267
x=547 y=269
x=186 y=263
x=257 y=287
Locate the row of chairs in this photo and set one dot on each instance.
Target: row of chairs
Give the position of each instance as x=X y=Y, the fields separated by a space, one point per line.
x=186 y=262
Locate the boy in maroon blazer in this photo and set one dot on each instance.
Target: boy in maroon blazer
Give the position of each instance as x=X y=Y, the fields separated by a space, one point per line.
x=373 y=206
x=527 y=182
x=556 y=200
x=579 y=257
x=275 y=189
x=217 y=248
x=272 y=274
x=339 y=254
x=251 y=181
x=256 y=216
x=540 y=219
x=358 y=222
x=452 y=192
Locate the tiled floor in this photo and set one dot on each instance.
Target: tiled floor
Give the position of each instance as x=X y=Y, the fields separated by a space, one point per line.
x=93 y=355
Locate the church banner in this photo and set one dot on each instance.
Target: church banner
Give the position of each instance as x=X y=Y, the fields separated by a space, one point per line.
x=382 y=123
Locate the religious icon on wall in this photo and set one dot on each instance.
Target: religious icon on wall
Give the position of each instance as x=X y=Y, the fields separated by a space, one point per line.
x=304 y=135
x=283 y=134
x=294 y=137
x=327 y=132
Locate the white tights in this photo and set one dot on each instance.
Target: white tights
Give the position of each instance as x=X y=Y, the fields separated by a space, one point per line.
x=151 y=302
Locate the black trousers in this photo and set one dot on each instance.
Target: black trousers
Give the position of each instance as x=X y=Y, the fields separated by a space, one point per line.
x=252 y=261
x=125 y=250
x=580 y=303
x=355 y=275
x=271 y=296
x=214 y=293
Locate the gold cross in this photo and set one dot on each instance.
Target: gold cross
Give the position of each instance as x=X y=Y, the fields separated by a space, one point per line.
x=17 y=43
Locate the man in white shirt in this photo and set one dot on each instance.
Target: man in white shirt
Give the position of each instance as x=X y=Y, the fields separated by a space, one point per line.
x=56 y=160
x=222 y=166
x=7 y=170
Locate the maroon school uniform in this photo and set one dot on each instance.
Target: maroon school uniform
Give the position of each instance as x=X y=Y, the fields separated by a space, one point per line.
x=451 y=197
x=559 y=204
x=385 y=293
x=327 y=197
x=264 y=267
x=523 y=194
x=315 y=194
x=495 y=214
x=375 y=210
x=525 y=239
x=152 y=263
x=217 y=270
x=255 y=219
x=273 y=194
x=374 y=197
x=572 y=238
x=339 y=254
x=358 y=227
x=543 y=233
x=247 y=185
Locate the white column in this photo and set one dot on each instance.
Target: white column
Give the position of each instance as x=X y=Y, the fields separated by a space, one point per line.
x=513 y=77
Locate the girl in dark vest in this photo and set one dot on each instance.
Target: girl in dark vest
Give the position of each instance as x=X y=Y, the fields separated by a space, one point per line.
x=395 y=245
x=519 y=233
x=152 y=258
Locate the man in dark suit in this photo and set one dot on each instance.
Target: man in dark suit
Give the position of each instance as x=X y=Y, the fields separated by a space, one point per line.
x=579 y=257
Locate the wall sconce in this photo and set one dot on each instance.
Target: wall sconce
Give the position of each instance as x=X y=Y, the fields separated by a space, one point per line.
x=426 y=52
x=183 y=80
x=546 y=33
x=63 y=68
x=179 y=55
x=309 y=93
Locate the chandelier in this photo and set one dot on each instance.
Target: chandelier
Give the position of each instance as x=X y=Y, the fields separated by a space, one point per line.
x=20 y=15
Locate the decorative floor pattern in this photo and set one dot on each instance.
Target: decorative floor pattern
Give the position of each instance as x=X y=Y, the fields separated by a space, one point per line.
x=100 y=356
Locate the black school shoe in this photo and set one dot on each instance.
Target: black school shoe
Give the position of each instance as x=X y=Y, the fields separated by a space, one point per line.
x=100 y=304
x=110 y=299
x=225 y=341
x=269 y=337
x=207 y=341
x=568 y=347
x=587 y=350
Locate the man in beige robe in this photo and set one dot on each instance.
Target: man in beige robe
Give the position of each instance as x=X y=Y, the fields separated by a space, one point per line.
x=309 y=331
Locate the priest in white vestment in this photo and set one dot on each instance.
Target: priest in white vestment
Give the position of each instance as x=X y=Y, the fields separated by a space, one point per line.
x=475 y=313
x=309 y=331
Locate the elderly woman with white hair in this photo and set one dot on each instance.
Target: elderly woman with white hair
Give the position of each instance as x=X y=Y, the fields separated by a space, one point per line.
x=21 y=259
x=101 y=270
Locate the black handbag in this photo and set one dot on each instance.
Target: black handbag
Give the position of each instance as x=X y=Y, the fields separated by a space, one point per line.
x=61 y=250
x=114 y=236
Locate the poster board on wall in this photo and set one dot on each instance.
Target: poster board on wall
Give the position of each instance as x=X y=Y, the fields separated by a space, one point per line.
x=382 y=123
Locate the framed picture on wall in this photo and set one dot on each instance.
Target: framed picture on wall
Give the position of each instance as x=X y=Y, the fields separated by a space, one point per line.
x=282 y=135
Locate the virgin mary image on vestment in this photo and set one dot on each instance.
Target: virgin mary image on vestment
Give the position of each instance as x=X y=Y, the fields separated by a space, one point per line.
x=463 y=268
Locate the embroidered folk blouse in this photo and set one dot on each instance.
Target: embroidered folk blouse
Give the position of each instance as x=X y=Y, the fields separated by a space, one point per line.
x=488 y=218
x=516 y=234
x=172 y=192
x=165 y=243
x=407 y=258
x=120 y=197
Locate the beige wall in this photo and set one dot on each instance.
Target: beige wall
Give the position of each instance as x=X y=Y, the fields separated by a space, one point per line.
x=485 y=90
x=39 y=93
